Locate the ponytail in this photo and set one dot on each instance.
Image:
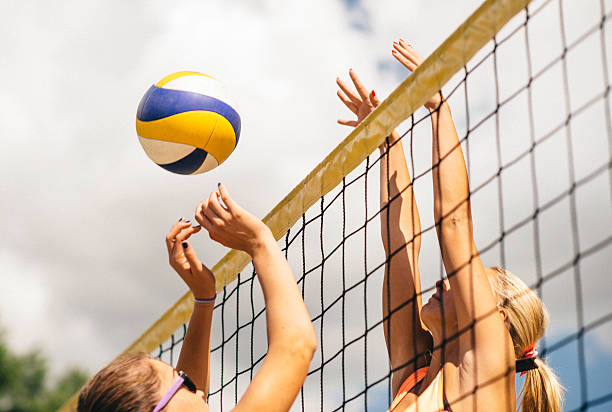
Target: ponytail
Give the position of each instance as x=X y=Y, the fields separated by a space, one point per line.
x=526 y=321
x=542 y=391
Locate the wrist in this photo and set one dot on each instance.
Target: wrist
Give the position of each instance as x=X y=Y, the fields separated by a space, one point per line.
x=262 y=243
x=205 y=301
x=435 y=102
x=204 y=295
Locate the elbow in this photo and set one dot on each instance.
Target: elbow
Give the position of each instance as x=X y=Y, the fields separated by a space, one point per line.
x=298 y=346
x=457 y=220
x=307 y=345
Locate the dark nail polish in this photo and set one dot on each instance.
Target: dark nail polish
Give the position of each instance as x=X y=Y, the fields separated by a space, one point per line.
x=185 y=245
x=187 y=221
x=180 y=219
x=218 y=184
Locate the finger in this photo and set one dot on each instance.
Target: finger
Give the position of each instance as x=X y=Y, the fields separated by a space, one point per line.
x=186 y=234
x=361 y=89
x=348 y=92
x=205 y=222
x=347 y=102
x=174 y=230
x=177 y=254
x=195 y=263
x=374 y=99
x=408 y=52
x=227 y=200
x=352 y=123
x=217 y=207
x=210 y=213
x=411 y=52
x=199 y=212
x=403 y=60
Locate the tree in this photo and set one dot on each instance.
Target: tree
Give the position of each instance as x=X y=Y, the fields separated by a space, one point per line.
x=24 y=382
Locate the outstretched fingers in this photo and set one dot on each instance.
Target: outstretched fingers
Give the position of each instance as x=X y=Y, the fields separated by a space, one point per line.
x=406 y=55
x=347 y=102
x=347 y=95
x=361 y=103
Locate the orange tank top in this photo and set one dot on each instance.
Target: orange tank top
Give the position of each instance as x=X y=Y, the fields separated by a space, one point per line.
x=431 y=399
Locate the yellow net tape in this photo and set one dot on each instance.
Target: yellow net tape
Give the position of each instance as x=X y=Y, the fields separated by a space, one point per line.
x=450 y=57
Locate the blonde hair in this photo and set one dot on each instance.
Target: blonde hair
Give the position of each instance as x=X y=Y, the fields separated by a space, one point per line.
x=128 y=384
x=527 y=319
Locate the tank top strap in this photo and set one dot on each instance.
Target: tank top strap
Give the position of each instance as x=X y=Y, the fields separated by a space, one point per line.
x=408 y=384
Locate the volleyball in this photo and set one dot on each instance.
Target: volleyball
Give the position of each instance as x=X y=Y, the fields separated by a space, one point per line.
x=186 y=123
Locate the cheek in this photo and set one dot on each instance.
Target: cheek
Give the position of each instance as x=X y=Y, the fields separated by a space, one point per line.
x=188 y=402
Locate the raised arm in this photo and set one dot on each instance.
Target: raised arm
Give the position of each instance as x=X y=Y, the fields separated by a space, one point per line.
x=194 y=358
x=483 y=340
x=291 y=337
x=405 y=336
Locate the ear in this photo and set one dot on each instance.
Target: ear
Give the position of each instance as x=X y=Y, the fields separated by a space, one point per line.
x=504 y=315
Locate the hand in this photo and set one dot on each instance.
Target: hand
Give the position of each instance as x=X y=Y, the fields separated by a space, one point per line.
x=231 y=225
x=360 y=104
x=183 y=259
x=407 y=56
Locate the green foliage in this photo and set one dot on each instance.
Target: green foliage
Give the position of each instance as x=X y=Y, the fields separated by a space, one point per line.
x=24 y=385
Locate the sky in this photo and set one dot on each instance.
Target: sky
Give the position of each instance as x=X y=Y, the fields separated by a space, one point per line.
x=84 y=212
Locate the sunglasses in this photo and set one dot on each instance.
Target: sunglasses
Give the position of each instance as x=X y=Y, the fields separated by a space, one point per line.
x=182 y=380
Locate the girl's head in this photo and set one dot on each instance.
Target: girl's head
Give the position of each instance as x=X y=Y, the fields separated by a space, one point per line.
x=130 y=383
x=136 y=382
x=526 y=320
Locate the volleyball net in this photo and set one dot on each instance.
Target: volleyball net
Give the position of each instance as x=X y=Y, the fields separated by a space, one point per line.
x=529 y=87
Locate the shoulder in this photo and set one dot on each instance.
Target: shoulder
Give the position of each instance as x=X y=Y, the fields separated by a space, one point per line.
x=470 y=385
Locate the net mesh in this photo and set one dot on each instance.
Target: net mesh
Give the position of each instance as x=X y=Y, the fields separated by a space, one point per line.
x=532 y=110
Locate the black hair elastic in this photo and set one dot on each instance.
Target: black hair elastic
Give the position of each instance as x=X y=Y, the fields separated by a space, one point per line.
x=525 y=364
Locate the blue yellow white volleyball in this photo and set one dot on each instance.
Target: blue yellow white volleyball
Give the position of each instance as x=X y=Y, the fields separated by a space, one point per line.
x=187 y=124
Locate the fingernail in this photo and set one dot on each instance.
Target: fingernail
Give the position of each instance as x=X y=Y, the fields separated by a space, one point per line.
x=393 y=51
x=180 y=219
x=185 y=245
x=187 y=221
x=218 y=184
x=373 y=94
x=402 y=40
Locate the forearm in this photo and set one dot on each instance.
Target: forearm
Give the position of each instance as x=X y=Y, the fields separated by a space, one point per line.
x=291 y=338
x=400 y=221
x=194 y=359
x=288 y=322
x=453 y=217
x=450 y=179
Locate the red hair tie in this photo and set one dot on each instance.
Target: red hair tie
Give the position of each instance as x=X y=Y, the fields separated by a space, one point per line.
x=531 y=352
